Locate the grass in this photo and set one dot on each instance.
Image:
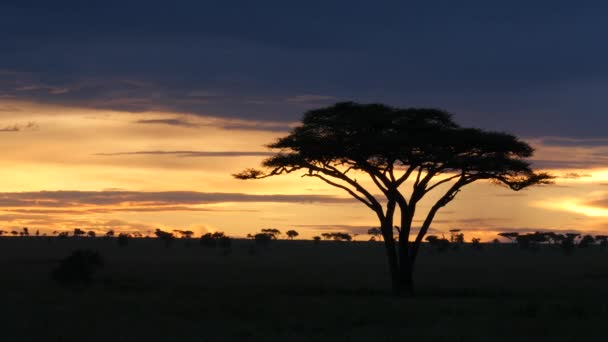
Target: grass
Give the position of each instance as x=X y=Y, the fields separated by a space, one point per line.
x=299 y=291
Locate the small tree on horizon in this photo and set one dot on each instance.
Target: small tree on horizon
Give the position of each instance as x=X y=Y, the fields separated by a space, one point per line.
x=274 y=233
x=375 y=233
x=292 y=234
x=392 y=146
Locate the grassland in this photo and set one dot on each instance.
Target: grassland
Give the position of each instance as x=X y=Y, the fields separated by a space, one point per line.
x=299 y=291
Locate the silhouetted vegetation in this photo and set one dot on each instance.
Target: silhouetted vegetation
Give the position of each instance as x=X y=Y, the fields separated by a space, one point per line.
x=440 y=244
x=123 y=239
x=77 y=269
x=392 y=146
x=166 y=237
x=337 y=236
x=476 y=244
x=215 y=239
x=291 y=234
x=272 y=232
x=375 y=233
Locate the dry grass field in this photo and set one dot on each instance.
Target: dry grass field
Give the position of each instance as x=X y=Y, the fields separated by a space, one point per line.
x=299 y=291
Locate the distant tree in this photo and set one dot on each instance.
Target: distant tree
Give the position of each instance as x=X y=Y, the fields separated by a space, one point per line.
x=14 y=232
x=26 y=231
x=316 y=239
x=164 y=236
x=184 y=234
x=441 y=244
x=337 y=144
x=37 y=232
x=496 y=242
x=110 y=233
x=263 y=238
x=77 y=269
x=456 y=236
x=511 y=236
x=603 y=240
x=375 y=233
x=291 y=234
x=327 y=236
x=123 y=239
x=531 y=240
x=207 y=240
x=568 y=242
x=79 y=232
x=342 y=237
x=215 y=239
x=476 y=243
x=274 y=233
x=91 y=234
x=62 y=235
x=586 y=241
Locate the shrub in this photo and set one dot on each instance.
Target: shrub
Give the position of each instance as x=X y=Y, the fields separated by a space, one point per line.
x=123 y=239
x=78 y=268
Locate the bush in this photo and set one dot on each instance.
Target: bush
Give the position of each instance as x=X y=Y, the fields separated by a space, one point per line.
x=123 y=239
x=78 y=268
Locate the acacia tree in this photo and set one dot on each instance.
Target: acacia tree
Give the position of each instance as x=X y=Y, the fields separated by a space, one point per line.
x=423 y=148
x=291 y=234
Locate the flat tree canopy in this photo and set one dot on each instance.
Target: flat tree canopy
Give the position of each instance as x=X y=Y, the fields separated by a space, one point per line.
x=392 y=146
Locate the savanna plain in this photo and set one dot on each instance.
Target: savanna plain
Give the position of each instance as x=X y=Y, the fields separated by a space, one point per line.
x=300 y=291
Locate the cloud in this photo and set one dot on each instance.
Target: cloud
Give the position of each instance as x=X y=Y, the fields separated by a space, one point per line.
x=574 y=175
x=193 y=153
x=75 y=199
x=227 y=124
x=573 y=142
x=308 y=98
x=30 y=126
x=171 y=122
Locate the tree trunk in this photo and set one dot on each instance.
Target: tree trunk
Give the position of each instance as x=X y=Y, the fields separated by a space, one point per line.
x=406 y=275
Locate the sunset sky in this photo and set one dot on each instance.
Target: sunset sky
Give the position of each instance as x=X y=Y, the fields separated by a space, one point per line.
x=134 y=116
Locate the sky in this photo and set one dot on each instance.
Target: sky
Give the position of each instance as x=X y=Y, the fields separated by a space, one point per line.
x=132 y=115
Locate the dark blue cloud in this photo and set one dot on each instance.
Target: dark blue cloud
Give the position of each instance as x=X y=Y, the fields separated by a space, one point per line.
x=530 y=68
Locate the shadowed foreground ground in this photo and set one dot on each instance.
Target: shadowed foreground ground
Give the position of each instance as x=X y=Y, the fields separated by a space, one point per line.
x=298 y=291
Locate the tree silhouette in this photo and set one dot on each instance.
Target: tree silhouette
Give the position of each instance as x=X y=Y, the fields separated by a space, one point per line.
x=337 y=236
x=164 y=236
x=603 y=240
x=123 y=239
x=79 y=232
x=78 y=268
x=316 y=239
x=375 y=233
x=476 y=243
x=440 y=244
x=586 y=241
x=511 y=236
x=263 y=239
x=91 y=234
x=291 y=234
x=274 y=233
x=337 y=144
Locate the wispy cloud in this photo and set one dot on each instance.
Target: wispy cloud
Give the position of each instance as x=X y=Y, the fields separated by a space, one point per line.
x=30 y=126
x=171 y=122
x=227 y=124
x=193 y=153
x=76 y=199
x=310 y=98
